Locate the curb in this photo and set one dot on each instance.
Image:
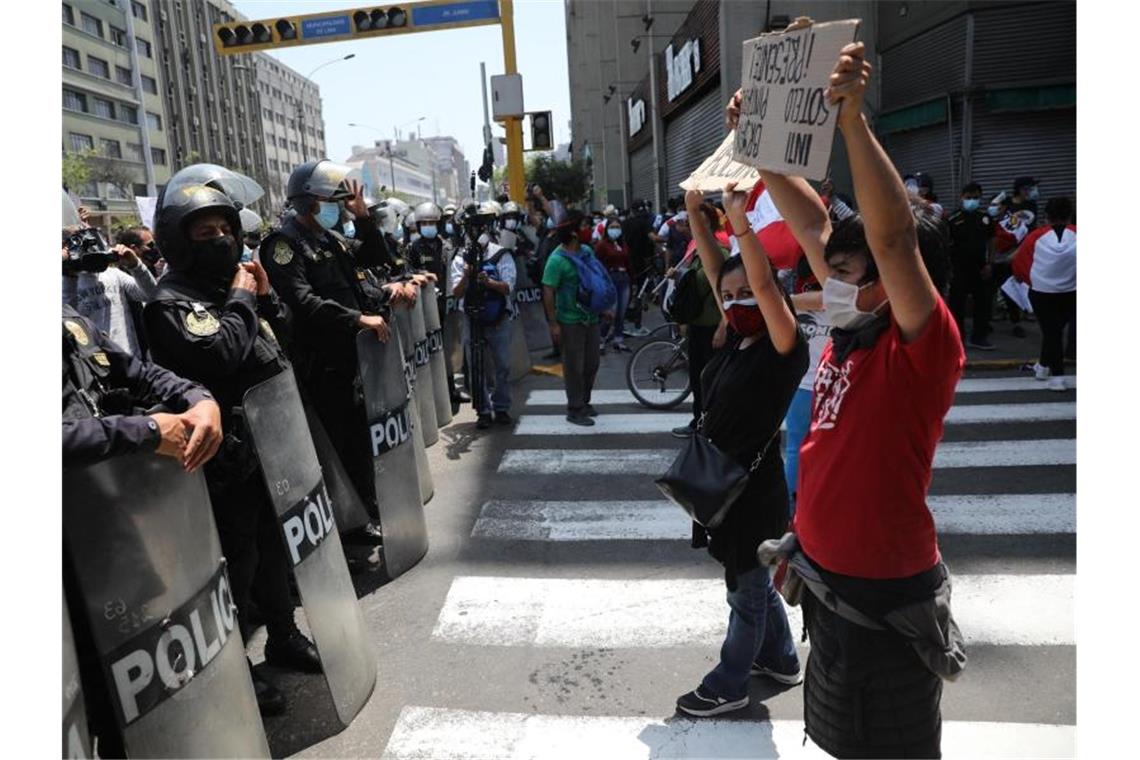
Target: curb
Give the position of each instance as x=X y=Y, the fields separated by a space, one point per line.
x=1006 y=363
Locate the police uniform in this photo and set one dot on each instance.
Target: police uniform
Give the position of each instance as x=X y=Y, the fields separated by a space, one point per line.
x=970 y=234
x=324 y=281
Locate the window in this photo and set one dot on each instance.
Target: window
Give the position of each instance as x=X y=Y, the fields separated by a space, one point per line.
x=104 y=108
x=268 y=114
x=71 y=57
x=292 y=124
x=110 y=148
x=143 y=47
x=149 y=84
x=92 y=25
x=68 y=15
x=129 y=114
x=80 y=143
x=154 y=121
x=138 y=10
x=293 y=146
x=118 y=37
x=134 y=152
x=74 y=101
x=115 y=192
x=282 y=142
x=158 y=155
x=138 y=189
x=87 y=190
x=276 y=93
x=281 y=119
x=123 y=76
x=98 y=67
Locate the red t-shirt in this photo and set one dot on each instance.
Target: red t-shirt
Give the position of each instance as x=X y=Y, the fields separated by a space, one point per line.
x=867 y=460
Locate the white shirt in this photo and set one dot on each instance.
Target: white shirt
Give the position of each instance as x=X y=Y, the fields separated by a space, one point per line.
x=507 y=273
x=105 y=299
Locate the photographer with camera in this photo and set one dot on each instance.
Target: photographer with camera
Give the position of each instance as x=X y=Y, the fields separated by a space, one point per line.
x=483 y=278
x=102 y=282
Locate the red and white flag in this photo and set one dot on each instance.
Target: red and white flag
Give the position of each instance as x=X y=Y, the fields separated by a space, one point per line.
x=771 y=229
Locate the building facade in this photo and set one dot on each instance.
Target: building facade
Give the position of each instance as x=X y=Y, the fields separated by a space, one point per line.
x=410 y=167
x=293 y=130
x=965 y=91
x=113 y=109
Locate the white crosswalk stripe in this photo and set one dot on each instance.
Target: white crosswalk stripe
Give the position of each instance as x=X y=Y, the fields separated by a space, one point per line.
x=444 y=734
x=1048 y=451
x=584 y=612
x=993 y=413
x=1003 y=514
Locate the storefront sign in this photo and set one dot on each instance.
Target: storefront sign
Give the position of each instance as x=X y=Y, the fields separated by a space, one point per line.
x=636 y=109
x=680 y=68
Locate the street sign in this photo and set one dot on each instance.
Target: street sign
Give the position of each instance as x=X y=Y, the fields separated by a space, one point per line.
x=472 y=10
x=328 y=26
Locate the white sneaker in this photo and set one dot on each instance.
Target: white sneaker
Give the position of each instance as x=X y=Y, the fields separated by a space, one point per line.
x=1041 y=373
x=1057 y=384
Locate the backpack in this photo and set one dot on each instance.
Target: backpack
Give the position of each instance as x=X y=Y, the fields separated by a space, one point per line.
x=492 y=305
x=686 y=295
x=596 y=291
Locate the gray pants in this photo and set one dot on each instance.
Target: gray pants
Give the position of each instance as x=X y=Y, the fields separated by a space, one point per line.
x=580 y=358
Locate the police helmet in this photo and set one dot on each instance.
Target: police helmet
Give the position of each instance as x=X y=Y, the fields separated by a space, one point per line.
x=427 y=212
x=449 y=210
x=192 y=192
x=324 y=180
x=490 y=208
x=510 y=208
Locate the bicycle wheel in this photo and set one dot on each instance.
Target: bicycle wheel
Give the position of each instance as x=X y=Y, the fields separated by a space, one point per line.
x=658 y=374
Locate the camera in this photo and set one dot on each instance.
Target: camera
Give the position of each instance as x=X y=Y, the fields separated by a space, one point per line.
x=87 y=251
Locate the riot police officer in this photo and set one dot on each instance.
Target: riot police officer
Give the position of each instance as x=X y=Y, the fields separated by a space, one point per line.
x=324 y=282
x=217 y=321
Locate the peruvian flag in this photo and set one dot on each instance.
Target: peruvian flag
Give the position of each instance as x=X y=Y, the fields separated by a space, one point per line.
x=771 y=229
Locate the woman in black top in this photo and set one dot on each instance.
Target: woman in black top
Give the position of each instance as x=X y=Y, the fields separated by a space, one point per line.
x=748 y=386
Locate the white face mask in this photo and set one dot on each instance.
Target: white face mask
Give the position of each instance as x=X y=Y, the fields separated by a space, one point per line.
x=839 y=301
x=484 y=239
x=510 y=224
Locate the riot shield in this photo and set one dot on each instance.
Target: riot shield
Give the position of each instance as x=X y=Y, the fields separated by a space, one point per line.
x=528 y=300
x=141 y=536
x=347 y=506
x=423 y=391
x=76 y=742
x=520 y=356
x=403 y=322
x=292 y=473
x=453 y=336
x=388 y=406
x=430 y=301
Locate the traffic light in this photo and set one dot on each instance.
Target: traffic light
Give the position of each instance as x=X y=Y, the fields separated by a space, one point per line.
x=541 y=136
x=487 y=169
x=373 y=20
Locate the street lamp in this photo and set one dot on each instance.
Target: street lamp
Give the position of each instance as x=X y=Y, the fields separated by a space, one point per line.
x=300 y=103
x=396 y=130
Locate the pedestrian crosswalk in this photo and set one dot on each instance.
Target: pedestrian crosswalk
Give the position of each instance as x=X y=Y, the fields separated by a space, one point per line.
x=580 y=557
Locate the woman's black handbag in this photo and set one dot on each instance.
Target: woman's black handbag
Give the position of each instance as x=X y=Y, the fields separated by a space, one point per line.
x=704 y=481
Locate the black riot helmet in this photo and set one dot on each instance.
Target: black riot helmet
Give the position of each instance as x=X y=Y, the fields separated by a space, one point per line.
x=318 y=180
x=192 y=192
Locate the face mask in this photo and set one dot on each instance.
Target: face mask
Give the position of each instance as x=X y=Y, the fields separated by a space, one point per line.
x=246 y=254
x=328 y=215
x=399 y=233
x=151 y=256
x=510 y=224
x=484 y=239
x=994 y=212
x=614 y=233
x=449 y=228
x=839 y=301
x=911 y=187
x=549 y=223
x=429 y=231
x=744 y=316
x=970 y=204
x=215 y=260
x=1033 y=193
x=349 y=230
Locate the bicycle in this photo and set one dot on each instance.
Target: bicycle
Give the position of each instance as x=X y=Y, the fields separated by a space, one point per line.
x=658 y=372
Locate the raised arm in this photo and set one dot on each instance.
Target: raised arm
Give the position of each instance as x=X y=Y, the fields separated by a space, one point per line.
x=777 y=316
x=707 y=247
x=882 y=199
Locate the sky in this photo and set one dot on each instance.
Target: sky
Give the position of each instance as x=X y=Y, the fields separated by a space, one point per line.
x=394 y=80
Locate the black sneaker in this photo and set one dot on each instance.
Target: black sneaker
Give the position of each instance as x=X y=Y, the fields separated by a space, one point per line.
x=366 y=535
x=581 y=418
x=483 y=422
x=702 y=704
x=685 y=431
x=270 y=700
x=982 y=344
x=294 y=652
x=590 y=410
x=788 y=678
x=503 y=418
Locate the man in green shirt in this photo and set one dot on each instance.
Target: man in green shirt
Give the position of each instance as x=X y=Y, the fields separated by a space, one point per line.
x=572 y=327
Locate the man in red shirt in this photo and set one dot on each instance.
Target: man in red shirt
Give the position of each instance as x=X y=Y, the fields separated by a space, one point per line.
x=883 y=387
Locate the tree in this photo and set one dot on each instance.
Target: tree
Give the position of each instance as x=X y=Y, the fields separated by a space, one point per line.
x=76 y=172
x=113 y=172
x=567 y=180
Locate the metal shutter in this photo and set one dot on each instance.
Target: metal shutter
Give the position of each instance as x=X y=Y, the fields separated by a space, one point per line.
x=928 y=149
x=641 y=173
x=926 y=66
x=1041 y=144
x=692 y=137
x=1025 y=43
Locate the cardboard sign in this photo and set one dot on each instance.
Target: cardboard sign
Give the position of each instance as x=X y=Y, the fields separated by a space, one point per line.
x=786 y=124
x=146 y=206
x=721 y=168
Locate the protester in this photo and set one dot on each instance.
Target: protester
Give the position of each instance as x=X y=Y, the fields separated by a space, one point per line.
x=747 y=387
x=1024 y=198
x=971 y=251
x=677 y=237
x=862 y=521
x=614 y=254
x=921 y=185
x=140 y=240
x=1010 y=228
x=637 y=231
x=1047 y=262
x=572 y=327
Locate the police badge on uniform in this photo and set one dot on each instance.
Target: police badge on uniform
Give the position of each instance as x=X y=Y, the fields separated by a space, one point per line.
x=282 y=252
x=202 y=324
x=77 y=332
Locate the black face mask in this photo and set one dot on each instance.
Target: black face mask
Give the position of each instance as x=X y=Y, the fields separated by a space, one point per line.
x=151 y=255
x=215 y=260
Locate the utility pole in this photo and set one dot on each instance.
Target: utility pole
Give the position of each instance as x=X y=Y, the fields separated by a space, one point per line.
x=515 y=177
x=144 y=122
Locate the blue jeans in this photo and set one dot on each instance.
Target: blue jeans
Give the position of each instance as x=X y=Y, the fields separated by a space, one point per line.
x=798 y=420
x=614 y=330
x=498 y=345
x=757 y=632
